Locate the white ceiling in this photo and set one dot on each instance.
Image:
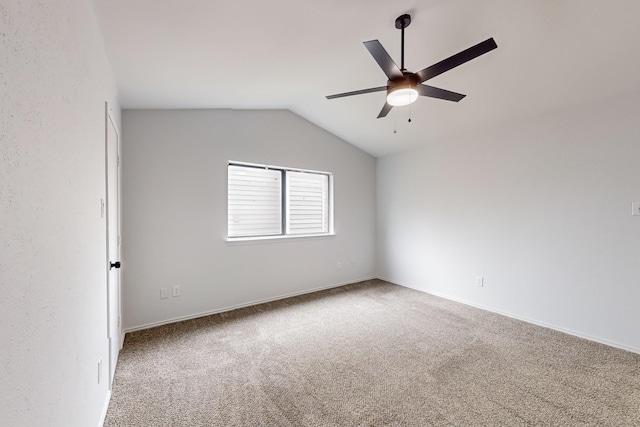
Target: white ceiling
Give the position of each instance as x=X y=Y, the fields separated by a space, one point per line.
x=552 y=54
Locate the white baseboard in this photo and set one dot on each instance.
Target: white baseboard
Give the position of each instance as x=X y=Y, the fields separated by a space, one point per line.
x=517 y=317
x=248 y=304
x=105 y=407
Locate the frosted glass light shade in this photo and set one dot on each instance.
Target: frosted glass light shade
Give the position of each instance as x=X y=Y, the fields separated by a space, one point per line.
x=404 y=96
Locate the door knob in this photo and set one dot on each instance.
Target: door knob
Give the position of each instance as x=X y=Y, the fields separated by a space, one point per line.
x=114 y=264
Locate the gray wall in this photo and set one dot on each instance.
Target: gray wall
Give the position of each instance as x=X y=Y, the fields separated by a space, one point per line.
x=175 y=218
x=54 y=82
x=540 y=208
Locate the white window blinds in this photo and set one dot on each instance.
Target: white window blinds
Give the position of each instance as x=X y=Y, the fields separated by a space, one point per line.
x=254 y=201
x=307 y=203
x=275 y=201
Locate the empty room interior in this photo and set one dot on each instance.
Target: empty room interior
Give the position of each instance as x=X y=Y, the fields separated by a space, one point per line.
x=320 y=213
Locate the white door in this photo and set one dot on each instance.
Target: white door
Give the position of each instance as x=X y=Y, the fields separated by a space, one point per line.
x=113 y=245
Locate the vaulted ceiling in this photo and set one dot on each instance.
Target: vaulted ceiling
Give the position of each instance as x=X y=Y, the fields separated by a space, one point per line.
x=552 y=55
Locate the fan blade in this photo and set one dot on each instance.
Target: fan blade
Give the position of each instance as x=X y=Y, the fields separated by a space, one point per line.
x=457 y=59
x=385 y=110
x=357 y=92
x=383 y=59
x=434 y=92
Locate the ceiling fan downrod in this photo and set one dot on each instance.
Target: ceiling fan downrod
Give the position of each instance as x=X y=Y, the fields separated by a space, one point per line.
x=402 y=22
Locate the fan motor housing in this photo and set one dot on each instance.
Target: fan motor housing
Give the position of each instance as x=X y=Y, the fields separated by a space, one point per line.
x=408 y=80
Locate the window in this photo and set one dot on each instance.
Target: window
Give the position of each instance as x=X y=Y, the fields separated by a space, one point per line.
x=275 y=201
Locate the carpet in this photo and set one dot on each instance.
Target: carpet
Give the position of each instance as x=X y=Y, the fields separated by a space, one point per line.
x=369 y=354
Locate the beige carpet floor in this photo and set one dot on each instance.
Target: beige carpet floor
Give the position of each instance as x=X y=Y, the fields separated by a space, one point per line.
x=369 y=354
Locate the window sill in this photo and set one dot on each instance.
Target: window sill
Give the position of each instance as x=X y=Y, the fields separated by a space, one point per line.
x=232 y=241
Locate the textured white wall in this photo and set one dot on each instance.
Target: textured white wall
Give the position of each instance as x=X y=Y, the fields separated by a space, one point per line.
x=54 y=80
x=541 y=208
x=175 y=218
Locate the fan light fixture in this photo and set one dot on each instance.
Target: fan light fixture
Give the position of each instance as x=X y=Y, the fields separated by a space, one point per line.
x=402 y=96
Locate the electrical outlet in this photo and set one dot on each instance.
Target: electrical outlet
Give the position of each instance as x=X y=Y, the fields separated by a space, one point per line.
x=635 y=208
x=339 y=265
x=99 y=370
x=164 y=293
x=479 y=281
x=176 y=291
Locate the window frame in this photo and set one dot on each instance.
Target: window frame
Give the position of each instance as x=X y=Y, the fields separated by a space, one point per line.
x=284 y=205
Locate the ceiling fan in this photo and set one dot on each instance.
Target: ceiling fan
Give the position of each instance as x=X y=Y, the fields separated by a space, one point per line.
x=403 y=87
